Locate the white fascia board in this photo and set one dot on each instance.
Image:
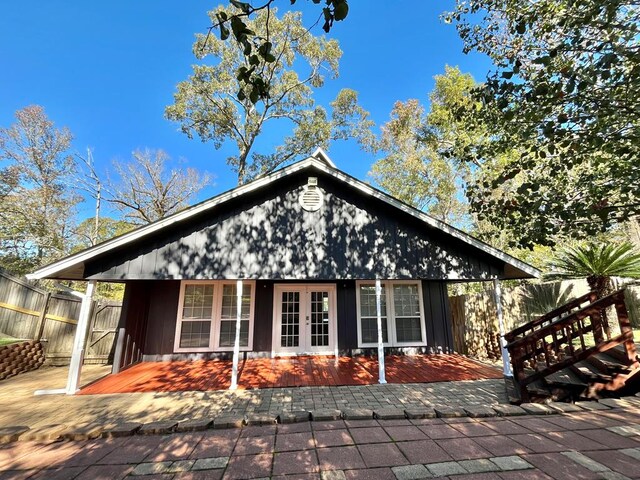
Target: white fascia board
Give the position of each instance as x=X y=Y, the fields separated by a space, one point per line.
x=433 y=222
x=323 y=164
x=104 y=247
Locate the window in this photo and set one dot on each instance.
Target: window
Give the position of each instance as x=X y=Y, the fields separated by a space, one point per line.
x=401 y=312
x=207 y=316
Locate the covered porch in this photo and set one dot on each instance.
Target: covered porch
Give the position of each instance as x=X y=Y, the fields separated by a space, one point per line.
x=301 y=371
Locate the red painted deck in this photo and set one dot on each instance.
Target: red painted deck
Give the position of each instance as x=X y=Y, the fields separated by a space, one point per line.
x=204 y=375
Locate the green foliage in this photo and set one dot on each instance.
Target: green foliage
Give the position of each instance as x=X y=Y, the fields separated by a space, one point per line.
x=417 y=167
x=539 y=299
x=145 y=191
x=37 y=204
x=216 y=104
x=107 y=229
x=258 y=46
x=597 y=263
x=563 y=97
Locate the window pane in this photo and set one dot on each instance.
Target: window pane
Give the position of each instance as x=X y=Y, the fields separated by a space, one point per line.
x=368 y=301
x=228 y=333
x=230 y=301
x=405 y=300
x=408 y=329
x=370 y=330
x=198 y=301
x=195 y=334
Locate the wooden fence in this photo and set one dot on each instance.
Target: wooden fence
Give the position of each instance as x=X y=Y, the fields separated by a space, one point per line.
x=29 y=312
x=475 y=320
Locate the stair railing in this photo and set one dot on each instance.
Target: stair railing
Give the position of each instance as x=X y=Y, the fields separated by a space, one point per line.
x=559 y=339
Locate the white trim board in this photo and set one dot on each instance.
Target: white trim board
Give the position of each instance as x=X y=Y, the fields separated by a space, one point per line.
x=323 y=163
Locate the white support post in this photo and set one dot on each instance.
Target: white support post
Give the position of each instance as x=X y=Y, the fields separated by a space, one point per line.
x=381 y=372
x=77 y=354
x=236 y=343
x=506 y=361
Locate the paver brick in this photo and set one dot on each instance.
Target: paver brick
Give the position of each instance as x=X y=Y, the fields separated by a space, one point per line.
x=411 y=472
x=83 y=432
x=417 y=413
x=324 y=414
x=423 y=451
x=210 y=463
x=44 y=433
x=297 y=416
x=332 y=475
x=512 y=462
x=626 y=430
x=11 y=434
x=537 y=409
x=564 y=407
x=382 y=455
x=288 y=463
x=593 y=405
x=125 y=429
x=586 y=462
x=357 y=414
x=446 y=468
x=340 y=458
x=181 y=466
x=151 y=468
x=507 y=410
x=450 y=412
x=479 y=411
x=196 y=425
x=389 y=413
x=158 y=428
x=229 y=421
x=614 y=402
x=332 y=438
x=480 y=465
x=260 y=419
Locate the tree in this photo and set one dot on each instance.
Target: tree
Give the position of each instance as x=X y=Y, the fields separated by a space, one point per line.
x=37 y=205
x=215 y=105
x=85 y=233
x=145 y=191
x=417 y=167
x=234 y=21
x=563 y=93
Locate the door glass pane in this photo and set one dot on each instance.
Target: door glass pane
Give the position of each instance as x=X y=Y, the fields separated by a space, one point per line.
x=319 y=321
x=290 y=328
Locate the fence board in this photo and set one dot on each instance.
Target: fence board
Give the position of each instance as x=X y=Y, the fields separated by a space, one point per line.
x=22 y=304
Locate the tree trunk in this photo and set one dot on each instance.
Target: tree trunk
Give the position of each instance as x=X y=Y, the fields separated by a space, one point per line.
x=602 y=286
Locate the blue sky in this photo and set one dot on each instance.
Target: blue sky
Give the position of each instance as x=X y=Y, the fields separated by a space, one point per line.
x=107 y=69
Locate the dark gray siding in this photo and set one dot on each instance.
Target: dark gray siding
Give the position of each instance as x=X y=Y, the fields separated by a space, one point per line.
x=150 y=311
x=267 y=235
x=263 y=317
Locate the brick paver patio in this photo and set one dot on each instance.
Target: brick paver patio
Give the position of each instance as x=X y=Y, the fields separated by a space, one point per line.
x=580 y=445
x=18 y=406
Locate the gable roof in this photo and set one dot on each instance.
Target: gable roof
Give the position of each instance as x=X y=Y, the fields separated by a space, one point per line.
x=73 y=265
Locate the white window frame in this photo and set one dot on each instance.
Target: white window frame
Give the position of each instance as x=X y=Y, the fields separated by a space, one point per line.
x=391 y=317
x=216 y=316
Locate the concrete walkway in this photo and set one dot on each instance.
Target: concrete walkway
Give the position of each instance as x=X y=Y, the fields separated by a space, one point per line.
x=18 y=406
x=582 y=445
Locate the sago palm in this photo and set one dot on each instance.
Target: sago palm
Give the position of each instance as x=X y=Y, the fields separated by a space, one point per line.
x=596 y=263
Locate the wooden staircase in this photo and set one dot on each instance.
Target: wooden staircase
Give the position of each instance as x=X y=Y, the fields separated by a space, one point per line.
x=571 y=353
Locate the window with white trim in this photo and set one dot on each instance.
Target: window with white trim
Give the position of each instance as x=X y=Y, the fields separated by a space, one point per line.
x=403 y=321
x=207 y=315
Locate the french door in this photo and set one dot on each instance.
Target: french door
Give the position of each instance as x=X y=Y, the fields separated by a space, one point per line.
x=304 y=320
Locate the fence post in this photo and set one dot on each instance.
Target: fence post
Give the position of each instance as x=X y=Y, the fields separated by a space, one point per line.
x=42 y=318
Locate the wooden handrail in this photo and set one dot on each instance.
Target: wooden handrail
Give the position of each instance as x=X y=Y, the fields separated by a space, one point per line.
x=594 y=307
x=550 y=316
x=550 y=347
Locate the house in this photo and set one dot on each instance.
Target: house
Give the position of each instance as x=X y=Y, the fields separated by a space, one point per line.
x=305 y=245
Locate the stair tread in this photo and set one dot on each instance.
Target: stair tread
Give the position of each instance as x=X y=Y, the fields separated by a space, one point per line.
x=590 y=372
x=565 y=377
x=609 y=362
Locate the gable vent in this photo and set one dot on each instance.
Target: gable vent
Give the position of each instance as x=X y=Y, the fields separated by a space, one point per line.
x=311 y=196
